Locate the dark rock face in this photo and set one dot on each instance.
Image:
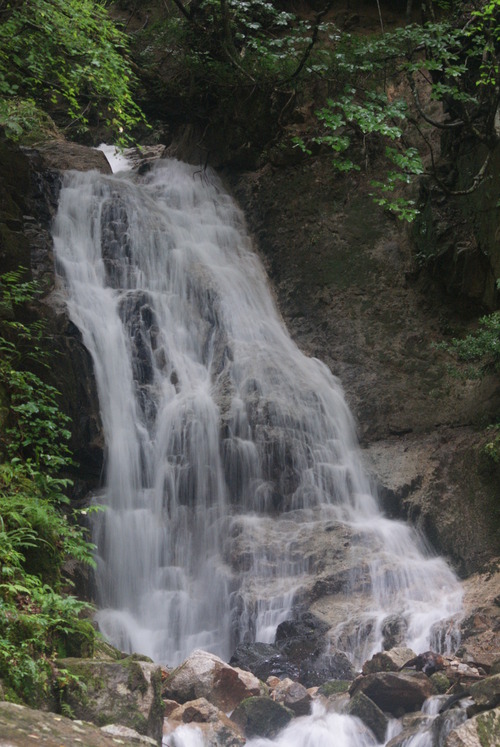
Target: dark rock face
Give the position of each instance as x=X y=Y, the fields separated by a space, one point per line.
x=299 y=652
x=30 y=180
x=261 y=717
x=352 y=295
x=263 y=660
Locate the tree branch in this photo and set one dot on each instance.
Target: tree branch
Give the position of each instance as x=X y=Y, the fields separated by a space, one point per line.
x=314 y=38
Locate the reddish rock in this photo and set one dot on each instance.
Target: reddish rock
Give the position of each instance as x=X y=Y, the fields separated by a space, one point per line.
x=204 y=675
x=293 y=695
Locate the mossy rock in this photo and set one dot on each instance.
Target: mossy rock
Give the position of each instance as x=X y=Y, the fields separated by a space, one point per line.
x=333 y=687
x=126 y=692
x=441 y=682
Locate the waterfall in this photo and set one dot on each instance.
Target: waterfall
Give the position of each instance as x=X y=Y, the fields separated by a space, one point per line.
x=229 y=453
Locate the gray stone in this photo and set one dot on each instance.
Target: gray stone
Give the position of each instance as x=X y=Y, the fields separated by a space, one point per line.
x=486 y=694
x=388 y=661
x=261 y=717
x=21 y=726
x=293 y=695
x=216 y=727
x=126 y=692
x=481 y=731
x=370 y=714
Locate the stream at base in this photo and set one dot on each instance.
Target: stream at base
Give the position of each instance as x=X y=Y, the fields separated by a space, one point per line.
x=229 y=454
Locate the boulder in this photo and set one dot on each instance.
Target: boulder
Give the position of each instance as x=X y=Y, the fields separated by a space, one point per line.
x=62 y=155
x=263 y=660
x=261 y=717
x=21 y=726
x=334 y=687
x=482 y=730
x=204 y=735
x=333 y=666
x=204 y=675
x=370 y=714
x=302 y=638
x=126 y=692
x=440 y=682
x=294 y=696
x=214 y=725
x=395 y=692
x=486 y=694
x=388 y=661
x=394 y=630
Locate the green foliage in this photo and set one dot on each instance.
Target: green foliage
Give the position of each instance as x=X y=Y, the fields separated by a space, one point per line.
x=37 y=620
x=218 y=54
x=66 y=55
x=389 y=81
x=481 y=347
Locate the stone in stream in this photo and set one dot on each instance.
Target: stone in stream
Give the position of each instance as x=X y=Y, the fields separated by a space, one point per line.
x=395 y=692
x=388 y=661
x=261 y=717
x=204 y=675
x=485 y=694
x=482 y=730
x=263 y=660
x=302 y=638
x=370 y=714
x=215 y=726
x=292 y=695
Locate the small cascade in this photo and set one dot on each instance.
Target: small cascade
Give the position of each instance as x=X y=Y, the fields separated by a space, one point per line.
x=231 y=459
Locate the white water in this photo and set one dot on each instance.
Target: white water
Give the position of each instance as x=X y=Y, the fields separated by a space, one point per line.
x=215 y=423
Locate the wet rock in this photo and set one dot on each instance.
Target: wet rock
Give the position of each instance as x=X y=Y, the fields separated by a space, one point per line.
x=62 y=155
x=293 y=695
x=316 y=671
x=261 y=717
x=486 y=694
x=440 y=682
x=370 y=714
x=20 y=726
x=302 y=638
x=388 y=661
x=428 y=662
x=126 y=692
x=444 y=723
x=405 y=737
x=482 y=730
x=334 y=687
x=303 y=641
x=215 y=726
x=264 y=660
x=394 y=630
x=204 y=675
x=395 y=692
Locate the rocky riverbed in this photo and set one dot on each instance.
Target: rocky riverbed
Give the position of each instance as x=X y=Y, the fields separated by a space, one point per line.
x=397 y=696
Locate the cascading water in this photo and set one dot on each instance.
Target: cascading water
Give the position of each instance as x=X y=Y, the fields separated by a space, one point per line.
x=227 y=450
